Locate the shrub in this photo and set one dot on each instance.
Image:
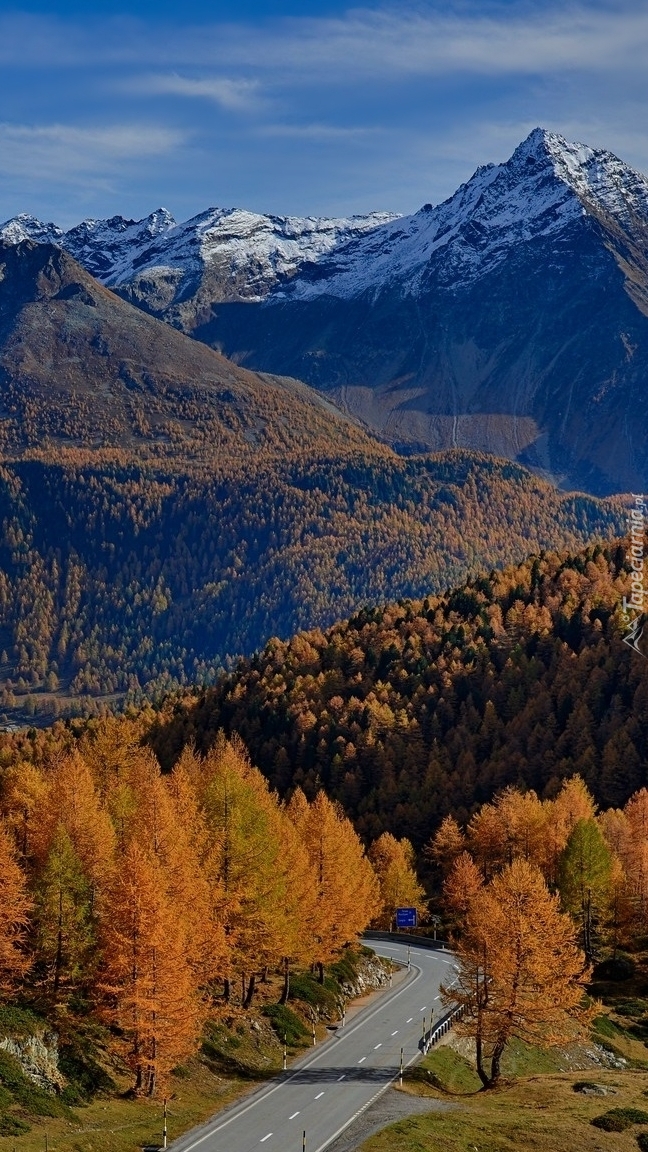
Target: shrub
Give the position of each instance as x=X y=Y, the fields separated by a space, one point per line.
x=619 y=1119
x=20 y=1022
x=307 y=989
x=78 y=1064
x=635 y=1008
x=12 y=1126
x=618 y=968
x=286 y=1023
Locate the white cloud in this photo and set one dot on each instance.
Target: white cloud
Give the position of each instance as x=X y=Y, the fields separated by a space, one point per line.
x=404 y=42
x=386 y=42
x=65 y=153
x=233 y=95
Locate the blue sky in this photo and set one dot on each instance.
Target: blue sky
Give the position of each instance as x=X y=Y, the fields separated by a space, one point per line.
x=310 y=108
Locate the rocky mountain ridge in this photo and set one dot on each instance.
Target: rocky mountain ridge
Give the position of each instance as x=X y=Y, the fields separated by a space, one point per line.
x=511 y=319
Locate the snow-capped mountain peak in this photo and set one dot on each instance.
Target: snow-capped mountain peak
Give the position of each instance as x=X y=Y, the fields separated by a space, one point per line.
x=233 y=254
x=26 y=227
x=546 y=184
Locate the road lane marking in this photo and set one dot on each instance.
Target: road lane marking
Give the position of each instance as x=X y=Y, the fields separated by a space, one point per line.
x=341 y=1077
x=318 y=1095
x=293 y=1115
x=395 y=1033
x=410 y=1020
x=363 y=1060
x=264 y=1138
x=241 y=1110
x=437 y=997
x=423 y=1008
x=377 y=1046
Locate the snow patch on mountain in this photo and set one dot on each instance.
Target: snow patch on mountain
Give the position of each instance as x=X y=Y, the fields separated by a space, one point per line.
x=26 y=227
x=256 y=250
x=234 y=254
x=546 y=184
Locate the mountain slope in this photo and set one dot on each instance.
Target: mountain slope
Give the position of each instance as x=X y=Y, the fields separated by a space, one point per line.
x=82 y=369
x=118 y=578
x=411 y=711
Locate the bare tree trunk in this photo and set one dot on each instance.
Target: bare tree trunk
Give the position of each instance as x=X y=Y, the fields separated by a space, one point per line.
x=227 y=989
x=286 y=982
x=320 y=971
x=481 y=1071
x=250 y=991
x=58 y=962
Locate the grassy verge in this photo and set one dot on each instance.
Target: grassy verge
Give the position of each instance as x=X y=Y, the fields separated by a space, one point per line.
x=539 y=1114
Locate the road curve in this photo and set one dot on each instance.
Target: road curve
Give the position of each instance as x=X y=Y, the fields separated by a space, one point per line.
x=326 y=1090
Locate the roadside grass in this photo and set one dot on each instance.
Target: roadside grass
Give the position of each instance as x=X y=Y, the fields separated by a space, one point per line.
x=446 y=1070
x=122 y=1125
x=538 y=1114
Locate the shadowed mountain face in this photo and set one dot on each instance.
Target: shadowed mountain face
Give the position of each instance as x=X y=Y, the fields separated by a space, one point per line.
x=80 y=369
x=513 y=319
x=545 y=360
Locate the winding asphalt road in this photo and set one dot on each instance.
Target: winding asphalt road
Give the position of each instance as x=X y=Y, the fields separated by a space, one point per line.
x=325 y=1091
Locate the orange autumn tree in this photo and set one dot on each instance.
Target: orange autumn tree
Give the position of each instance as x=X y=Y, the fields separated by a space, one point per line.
x=346 y=886
x=460 y=889
x=155 y=812
x=71 y=801
x=150 y=988
x=394 y=865
x=249 y=864
x=15 y=906
x=521 y=973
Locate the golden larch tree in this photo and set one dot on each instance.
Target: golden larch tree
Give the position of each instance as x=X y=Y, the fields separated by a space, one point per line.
x=347 y=888
x=521 y=973
x=394 y=864
x=15 y=906
x=148 y=983
x=460 y=889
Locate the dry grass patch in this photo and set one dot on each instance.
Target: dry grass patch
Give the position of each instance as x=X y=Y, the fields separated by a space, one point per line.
x=540 y=1114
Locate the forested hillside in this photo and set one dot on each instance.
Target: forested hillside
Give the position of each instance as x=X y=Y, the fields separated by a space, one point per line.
x=118 y=580
x=165 y=511
x=427 y=707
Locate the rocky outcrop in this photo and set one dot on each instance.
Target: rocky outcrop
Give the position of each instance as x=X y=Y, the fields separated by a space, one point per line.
x=38 y=1057
x=372 y=972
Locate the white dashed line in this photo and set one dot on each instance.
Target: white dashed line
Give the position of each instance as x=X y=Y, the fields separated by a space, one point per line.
x=293 y=1115
x=410 y=1020
x=377 y=1046
x=318 y=1095
x=423 y=1008
x=437 y=997
x=264 y=1138
x=363 y=1060
x=395 y=1033
x=341 y=1077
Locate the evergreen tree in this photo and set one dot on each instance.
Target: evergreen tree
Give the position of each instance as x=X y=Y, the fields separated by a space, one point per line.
x=584 y=875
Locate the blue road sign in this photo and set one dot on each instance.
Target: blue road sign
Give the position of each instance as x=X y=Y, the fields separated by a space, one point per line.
x=406 y=918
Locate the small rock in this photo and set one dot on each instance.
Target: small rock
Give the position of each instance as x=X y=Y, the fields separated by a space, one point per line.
x=589 y=1088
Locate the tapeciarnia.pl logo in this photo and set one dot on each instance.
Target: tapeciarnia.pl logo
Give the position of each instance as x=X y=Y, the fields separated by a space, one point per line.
x=633 y=607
